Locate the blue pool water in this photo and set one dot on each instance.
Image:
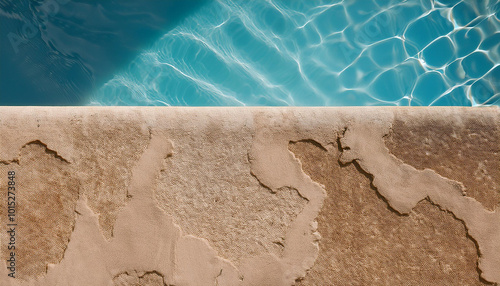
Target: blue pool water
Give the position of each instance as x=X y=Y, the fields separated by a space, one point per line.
x=276 y=52
x=58 y=52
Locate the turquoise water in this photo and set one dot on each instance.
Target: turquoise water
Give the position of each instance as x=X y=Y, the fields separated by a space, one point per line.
x=316 y=53
x=58 y=52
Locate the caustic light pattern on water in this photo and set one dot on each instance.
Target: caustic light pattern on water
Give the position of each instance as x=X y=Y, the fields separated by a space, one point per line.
x=370 y=52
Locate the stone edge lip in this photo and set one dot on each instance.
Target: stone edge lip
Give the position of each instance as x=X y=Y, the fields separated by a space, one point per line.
x=341 y=109
x=251 y=107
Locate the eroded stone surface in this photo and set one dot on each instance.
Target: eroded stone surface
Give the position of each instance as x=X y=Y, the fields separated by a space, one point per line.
x=104 y=167
x=46 y=195
x=403 y=187
x=365 y=243
x=208 y=188
x=216 y=196
x=133 y=278
x=466 y=152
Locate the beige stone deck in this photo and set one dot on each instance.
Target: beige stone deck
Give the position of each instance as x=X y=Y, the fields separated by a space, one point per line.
x=251 y=196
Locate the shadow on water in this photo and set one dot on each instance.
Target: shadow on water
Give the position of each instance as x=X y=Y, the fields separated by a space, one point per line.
x=52 y=52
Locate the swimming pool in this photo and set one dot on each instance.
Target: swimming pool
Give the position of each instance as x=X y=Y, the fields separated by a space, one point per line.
x=315 y=53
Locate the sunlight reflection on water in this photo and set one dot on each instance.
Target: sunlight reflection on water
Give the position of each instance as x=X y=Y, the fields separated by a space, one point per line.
x=333 y=53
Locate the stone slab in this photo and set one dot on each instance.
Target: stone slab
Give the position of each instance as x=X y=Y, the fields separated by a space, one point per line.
x=249 y=196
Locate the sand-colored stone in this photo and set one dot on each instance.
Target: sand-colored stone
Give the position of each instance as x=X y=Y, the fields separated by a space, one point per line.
x=219 y=199
x=465 y=151
x=138 y=279
x=45 y=206
x=104 y=165
x=253 y=196
x=365 y=243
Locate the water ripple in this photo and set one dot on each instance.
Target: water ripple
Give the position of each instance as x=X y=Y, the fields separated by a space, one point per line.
x=277 y=52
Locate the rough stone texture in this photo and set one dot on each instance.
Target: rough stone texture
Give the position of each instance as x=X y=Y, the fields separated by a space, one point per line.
x=45 y=206
x=220 y=200
x=139 y=279
x=252 y=196
x=105 y=164
x=365 y=243
x=467 y=152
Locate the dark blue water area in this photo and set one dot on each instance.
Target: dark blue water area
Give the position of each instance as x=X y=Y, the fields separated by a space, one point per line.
x=57 y=52
x=261 y=52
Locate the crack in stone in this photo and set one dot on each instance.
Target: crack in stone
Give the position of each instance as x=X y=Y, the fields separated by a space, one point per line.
x=405 y=186
x=47 y=150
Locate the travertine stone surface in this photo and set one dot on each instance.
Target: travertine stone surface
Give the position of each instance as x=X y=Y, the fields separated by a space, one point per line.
x=251 y=196
x=466 y=151
x=47 y=206
x=365 y=243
